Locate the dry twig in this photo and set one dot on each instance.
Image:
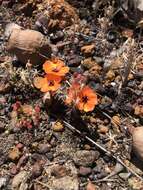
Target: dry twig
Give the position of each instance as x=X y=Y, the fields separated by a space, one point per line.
x=72 y=128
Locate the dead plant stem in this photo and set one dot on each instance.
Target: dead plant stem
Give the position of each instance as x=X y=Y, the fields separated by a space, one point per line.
x=69 y=126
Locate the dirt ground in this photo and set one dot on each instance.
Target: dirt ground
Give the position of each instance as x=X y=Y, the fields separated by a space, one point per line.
x=47 y=145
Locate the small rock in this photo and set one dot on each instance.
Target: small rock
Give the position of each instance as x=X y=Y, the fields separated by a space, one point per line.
x=90 y=186
x=14 y=154
x=56 y=37
x=37 y=170
x=124 y=176
x=103 y=129
x=95 y=70
x=134 y=183
x=66 y=178
x=20 y=179
x=110 y=75
x=97 y=169
x=87 y=147
x=137 y=141
x=58 y=127
x=99 y=60
x=88 y=63
x=59 y=171
x=74 y=61
x=67 y=182
x=22 y=161
x=88 y=49
x=44 y=148
x=3 y=182
x=139 y=110
x=50 y=156
x=36 y=157
x=25 y=50
x=93 y=120
x=84 y=157
x=19 y=146
x=14 y=170
x=102 y=175
x=84 y=171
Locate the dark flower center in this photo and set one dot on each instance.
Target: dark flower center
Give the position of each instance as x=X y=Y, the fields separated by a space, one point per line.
x=84 y=99
x=51 y=83
x=56 y=69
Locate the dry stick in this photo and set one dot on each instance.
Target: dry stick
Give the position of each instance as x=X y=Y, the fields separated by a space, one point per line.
x=41 y=183
x=128 y=67
x=103 y=149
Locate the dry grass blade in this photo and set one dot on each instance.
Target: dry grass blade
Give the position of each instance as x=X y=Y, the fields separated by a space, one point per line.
x=103 y=149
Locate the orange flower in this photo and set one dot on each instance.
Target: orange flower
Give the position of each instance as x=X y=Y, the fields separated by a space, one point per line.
x=87 y=99
x=48 y=83
x=72 y=93
x=56 y=67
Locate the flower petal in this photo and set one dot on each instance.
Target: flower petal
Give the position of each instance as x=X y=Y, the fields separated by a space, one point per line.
x=55 y=87
x=88 y=107
x=38 y=82
x=64 y=70
x=80 y=105
x=53 y=77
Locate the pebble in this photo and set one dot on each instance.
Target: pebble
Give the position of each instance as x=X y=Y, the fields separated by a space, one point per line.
x=134 y=183
x=50 y=156
x=14 y=170
x=97 y=169
x=101 y=175
x=44 y=148
x=37 y=170
x=62 y=177
x=66 y=183
x=58 y=127
x=87 y=147
x=110 y=75
x=112 y=36
x=88 y=63
x=90 y=186
x=56 y=37
x=92 y=177
x=102 y=129
x=23 y=160
x=74 y=61
x=14 y=154
x=59 y=171
x=124 y=176
x=85 y=157
x=99 y=60
x=19 y=146
x=88 y=49
x=36 y=157
x=84 y=171
x=19 y=180
x=3 y=182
